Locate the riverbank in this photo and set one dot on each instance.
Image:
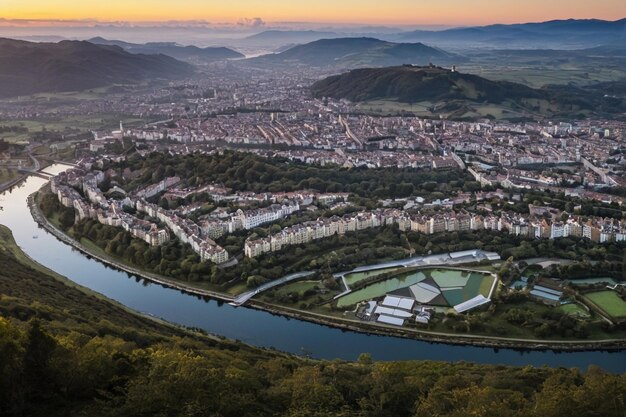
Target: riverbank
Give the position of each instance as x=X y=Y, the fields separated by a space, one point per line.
x=345 y=324
x=15 y=181
x=49 y=227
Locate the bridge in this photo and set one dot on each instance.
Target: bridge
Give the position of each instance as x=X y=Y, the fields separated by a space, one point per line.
x=55 y=161
x=243 y=298
x=39 y=174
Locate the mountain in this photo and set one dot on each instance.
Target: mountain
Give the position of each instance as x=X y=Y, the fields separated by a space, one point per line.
x=460 y=95
x=186 y=53
x=281 y=37
x=411 y=84
x=358 y=52
x=570 y=33
x=27 y=68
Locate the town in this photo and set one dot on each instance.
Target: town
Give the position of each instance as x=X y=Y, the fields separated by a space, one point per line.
x=541 y=223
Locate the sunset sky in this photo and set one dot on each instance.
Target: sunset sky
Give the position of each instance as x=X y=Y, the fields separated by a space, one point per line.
x=400 y=12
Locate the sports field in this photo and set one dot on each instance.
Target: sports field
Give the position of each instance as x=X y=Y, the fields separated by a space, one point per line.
x=439 y=287
x=609 y=302
x=574 y=309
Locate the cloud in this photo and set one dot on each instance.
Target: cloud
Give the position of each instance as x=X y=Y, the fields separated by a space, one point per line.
x=43 y=22
x=96 y=23
x=255 y=22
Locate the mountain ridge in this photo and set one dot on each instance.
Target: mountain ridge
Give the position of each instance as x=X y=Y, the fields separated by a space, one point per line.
x=582 y=32
x=29 y=67
x=174 y=50
x=360 y=51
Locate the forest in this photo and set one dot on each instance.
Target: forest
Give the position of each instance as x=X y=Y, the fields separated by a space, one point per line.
x=247 y=172
x=67 y=352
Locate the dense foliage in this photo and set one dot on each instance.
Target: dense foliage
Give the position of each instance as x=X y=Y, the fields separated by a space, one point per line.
x=246 y=172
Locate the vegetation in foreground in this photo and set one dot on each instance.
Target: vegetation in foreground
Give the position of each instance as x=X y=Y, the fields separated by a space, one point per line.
x=68 y=353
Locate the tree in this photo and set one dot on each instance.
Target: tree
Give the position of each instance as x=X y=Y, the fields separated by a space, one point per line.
x=67 y=218
x=38 y=353
x=624 y=266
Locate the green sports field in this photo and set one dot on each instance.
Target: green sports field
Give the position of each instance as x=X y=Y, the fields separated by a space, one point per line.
x=574 y=309
x=609 y=302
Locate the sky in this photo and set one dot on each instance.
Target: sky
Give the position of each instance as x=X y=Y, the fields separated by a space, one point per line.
x=257 y=13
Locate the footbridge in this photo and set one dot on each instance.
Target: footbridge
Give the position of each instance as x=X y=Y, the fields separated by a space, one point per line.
x=243 y=298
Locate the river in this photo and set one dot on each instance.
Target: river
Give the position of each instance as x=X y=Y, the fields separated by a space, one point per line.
x=251 y=326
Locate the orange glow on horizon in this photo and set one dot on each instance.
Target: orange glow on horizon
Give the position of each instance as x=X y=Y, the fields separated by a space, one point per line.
x=398 y=12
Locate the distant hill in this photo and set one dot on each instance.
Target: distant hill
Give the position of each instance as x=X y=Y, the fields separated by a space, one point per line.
x=174 y=50
x=359 y=52
x=27 y=68
x=615 y=49
x=414 y=84
x=461 y=94
x=556 y=33
x=281 y=37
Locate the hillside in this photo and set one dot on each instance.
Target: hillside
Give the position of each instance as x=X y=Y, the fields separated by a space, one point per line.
x=571 y=33
x=414 y=84
x=359 y=52
x=27 y=67
x=64 y=352
x=186 y=53
x=282 y=37
x=459 y=94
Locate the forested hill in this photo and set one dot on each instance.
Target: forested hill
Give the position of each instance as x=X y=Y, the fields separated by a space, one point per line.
x=412 y=84
x=67 y=353
x=443 y=88
x=29 y=67
x=359 y=52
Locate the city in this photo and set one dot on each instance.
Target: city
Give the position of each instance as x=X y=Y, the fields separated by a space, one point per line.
x=330 y=209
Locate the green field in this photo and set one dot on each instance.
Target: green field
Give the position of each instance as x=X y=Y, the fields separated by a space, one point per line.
x=298 y=287
x=70 y=123
x=538 y=77
x=423 y=109
x=588 y=281
x=574 y=309
x=609 y=302
x=355 y=277
x=381 y=288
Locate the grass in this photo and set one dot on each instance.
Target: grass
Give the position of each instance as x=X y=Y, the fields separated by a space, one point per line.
x=298 y=286
x=70 y=122
x=359 y=276
x=539 y=75
x=422 y=109
x=485 y=285
x=238 y=289
x=574 y=309
x=609 y=302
